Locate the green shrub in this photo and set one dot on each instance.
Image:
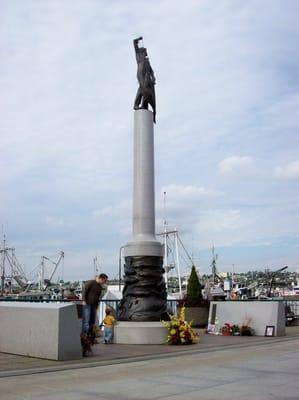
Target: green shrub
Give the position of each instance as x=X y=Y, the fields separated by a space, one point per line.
x=194 y=286
x=193 y=298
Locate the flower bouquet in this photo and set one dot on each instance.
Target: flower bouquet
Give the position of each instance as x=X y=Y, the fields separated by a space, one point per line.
x=236 y=330
x=179 y=330
x=227 y=329
x=246 y=329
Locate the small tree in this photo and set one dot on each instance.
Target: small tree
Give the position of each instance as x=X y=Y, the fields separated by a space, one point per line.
x=194 y=287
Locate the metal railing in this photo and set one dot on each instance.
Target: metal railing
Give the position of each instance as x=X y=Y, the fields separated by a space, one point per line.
x=38 y=300
x=291 y=305
x=114 y=304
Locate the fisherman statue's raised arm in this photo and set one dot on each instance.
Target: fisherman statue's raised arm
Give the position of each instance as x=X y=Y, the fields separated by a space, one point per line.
x=146 y=78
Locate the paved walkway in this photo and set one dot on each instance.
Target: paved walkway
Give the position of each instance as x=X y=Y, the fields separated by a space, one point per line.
x=265 y=369
x=12 y=365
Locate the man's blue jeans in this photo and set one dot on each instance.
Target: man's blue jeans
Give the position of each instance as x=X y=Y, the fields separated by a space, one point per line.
x=88 y=318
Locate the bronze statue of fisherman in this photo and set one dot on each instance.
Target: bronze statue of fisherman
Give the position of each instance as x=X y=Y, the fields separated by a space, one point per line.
x=146 y=78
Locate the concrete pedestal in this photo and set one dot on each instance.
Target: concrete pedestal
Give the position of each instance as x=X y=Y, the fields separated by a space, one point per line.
x=43 y=330
x=140 y=333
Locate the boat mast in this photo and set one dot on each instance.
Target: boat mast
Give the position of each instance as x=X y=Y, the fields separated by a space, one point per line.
x=3 y=267
x=165 y=244
x=178 y=261
x=95 y=266
x=54 y=269
x=214 y=269
x=175 y=241
x=16 y=271
x=42 y=273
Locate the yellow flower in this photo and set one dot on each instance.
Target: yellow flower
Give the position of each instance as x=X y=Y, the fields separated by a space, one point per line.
x=178 y=326
x=182 y=314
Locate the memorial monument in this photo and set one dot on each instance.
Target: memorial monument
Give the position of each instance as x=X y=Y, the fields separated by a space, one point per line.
x=144 y=294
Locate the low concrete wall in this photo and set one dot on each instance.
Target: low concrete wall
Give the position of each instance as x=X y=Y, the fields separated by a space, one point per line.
x=260 y=314
x=198 y=315
x=140 y=333
x=40 y=330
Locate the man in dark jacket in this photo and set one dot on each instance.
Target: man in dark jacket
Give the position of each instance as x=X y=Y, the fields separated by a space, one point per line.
x=92 y=292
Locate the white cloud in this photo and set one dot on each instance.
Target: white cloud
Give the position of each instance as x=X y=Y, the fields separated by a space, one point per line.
x=189 y=193
x=288 y=171
x=183 y=203
x=223 y=220
x=224 y=227
x=235 y=164
x=122 y=208
x=56 y=222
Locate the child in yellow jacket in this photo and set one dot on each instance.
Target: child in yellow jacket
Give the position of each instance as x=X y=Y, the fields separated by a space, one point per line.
x=108 y=322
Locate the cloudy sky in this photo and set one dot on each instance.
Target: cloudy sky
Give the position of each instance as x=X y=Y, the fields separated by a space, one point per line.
x=227 y=151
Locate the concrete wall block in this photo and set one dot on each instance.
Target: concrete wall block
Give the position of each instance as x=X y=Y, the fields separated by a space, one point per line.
x=260 y=314
x=69 y=344
x=42 y=330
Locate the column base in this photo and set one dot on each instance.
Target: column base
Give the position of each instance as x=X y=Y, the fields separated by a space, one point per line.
x=140 y=333
x=144 y=294
x=143 y=248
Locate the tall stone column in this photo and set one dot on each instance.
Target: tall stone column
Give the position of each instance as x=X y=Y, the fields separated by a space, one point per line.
x=144 y=294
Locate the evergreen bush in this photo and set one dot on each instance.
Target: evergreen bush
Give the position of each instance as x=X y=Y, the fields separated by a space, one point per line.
x=194 y=286
x=193 y=298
